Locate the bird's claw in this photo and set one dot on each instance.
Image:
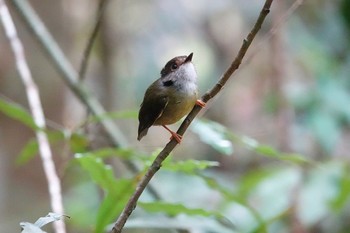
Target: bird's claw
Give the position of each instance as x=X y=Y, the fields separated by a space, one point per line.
x=200 y=103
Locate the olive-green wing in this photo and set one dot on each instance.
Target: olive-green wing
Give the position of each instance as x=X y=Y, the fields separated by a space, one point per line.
x=151 y=109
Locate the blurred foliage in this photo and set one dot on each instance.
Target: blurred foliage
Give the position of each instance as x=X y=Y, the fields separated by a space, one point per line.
x=232 y=173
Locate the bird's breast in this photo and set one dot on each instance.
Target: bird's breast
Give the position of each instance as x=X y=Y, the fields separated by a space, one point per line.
x=181 y=101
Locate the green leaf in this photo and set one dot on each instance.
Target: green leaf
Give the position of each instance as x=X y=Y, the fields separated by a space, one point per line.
x=113 y=203
x=114 y=115
x=175 y=209
x=217 y=136
x=78 y=143
x=100 y=173
x=232 y=196
x=18 y=113
x=213 y=134
x=116 y=191
x=31 y=149
x=266 y=150
x=28 y=152
x=227 y=193
x=249 y=181
x=190 y=166
x=343 y=185
x=124 y=153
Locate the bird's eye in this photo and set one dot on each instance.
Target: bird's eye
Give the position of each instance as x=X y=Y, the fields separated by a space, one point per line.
x=174 y=66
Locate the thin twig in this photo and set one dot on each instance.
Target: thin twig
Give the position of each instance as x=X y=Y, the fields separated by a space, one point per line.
x=32 y=92
x=130 y=206
x=275 y=28
x=92 y=38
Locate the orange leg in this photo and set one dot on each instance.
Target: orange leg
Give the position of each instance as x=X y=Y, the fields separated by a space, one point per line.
x=200 y=103
x=177 y=137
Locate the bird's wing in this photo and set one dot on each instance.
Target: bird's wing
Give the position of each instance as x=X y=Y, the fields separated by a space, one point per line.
x=151 y=110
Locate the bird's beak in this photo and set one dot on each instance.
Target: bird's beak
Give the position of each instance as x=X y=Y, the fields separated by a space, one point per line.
x=189 y=58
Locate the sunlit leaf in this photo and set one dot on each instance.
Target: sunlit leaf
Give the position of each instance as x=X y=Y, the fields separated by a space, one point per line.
x=51 y=217
x=42 y=221
x=218 y=135
x=214 y=135
x=28 y=227
x=100 y=173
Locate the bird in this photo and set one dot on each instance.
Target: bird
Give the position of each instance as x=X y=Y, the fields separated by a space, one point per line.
x=170 y=97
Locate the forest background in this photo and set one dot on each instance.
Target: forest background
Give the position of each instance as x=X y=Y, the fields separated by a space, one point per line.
x=270 y=153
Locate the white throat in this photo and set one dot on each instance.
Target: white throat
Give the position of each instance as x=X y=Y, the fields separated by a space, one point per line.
x=187 y=77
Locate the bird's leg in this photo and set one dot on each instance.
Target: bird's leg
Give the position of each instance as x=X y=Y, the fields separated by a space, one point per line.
x=200 y=103
x=177 y=137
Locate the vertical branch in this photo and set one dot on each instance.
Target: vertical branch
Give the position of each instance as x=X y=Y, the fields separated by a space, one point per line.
x=92 y=38
x=38 y=115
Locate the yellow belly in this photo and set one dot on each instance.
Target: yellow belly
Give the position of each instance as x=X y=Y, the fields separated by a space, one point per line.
x=176 y=109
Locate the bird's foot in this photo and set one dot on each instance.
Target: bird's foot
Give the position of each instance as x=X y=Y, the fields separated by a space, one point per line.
x=200 y=103
x=177 y=137
x=174 y=135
